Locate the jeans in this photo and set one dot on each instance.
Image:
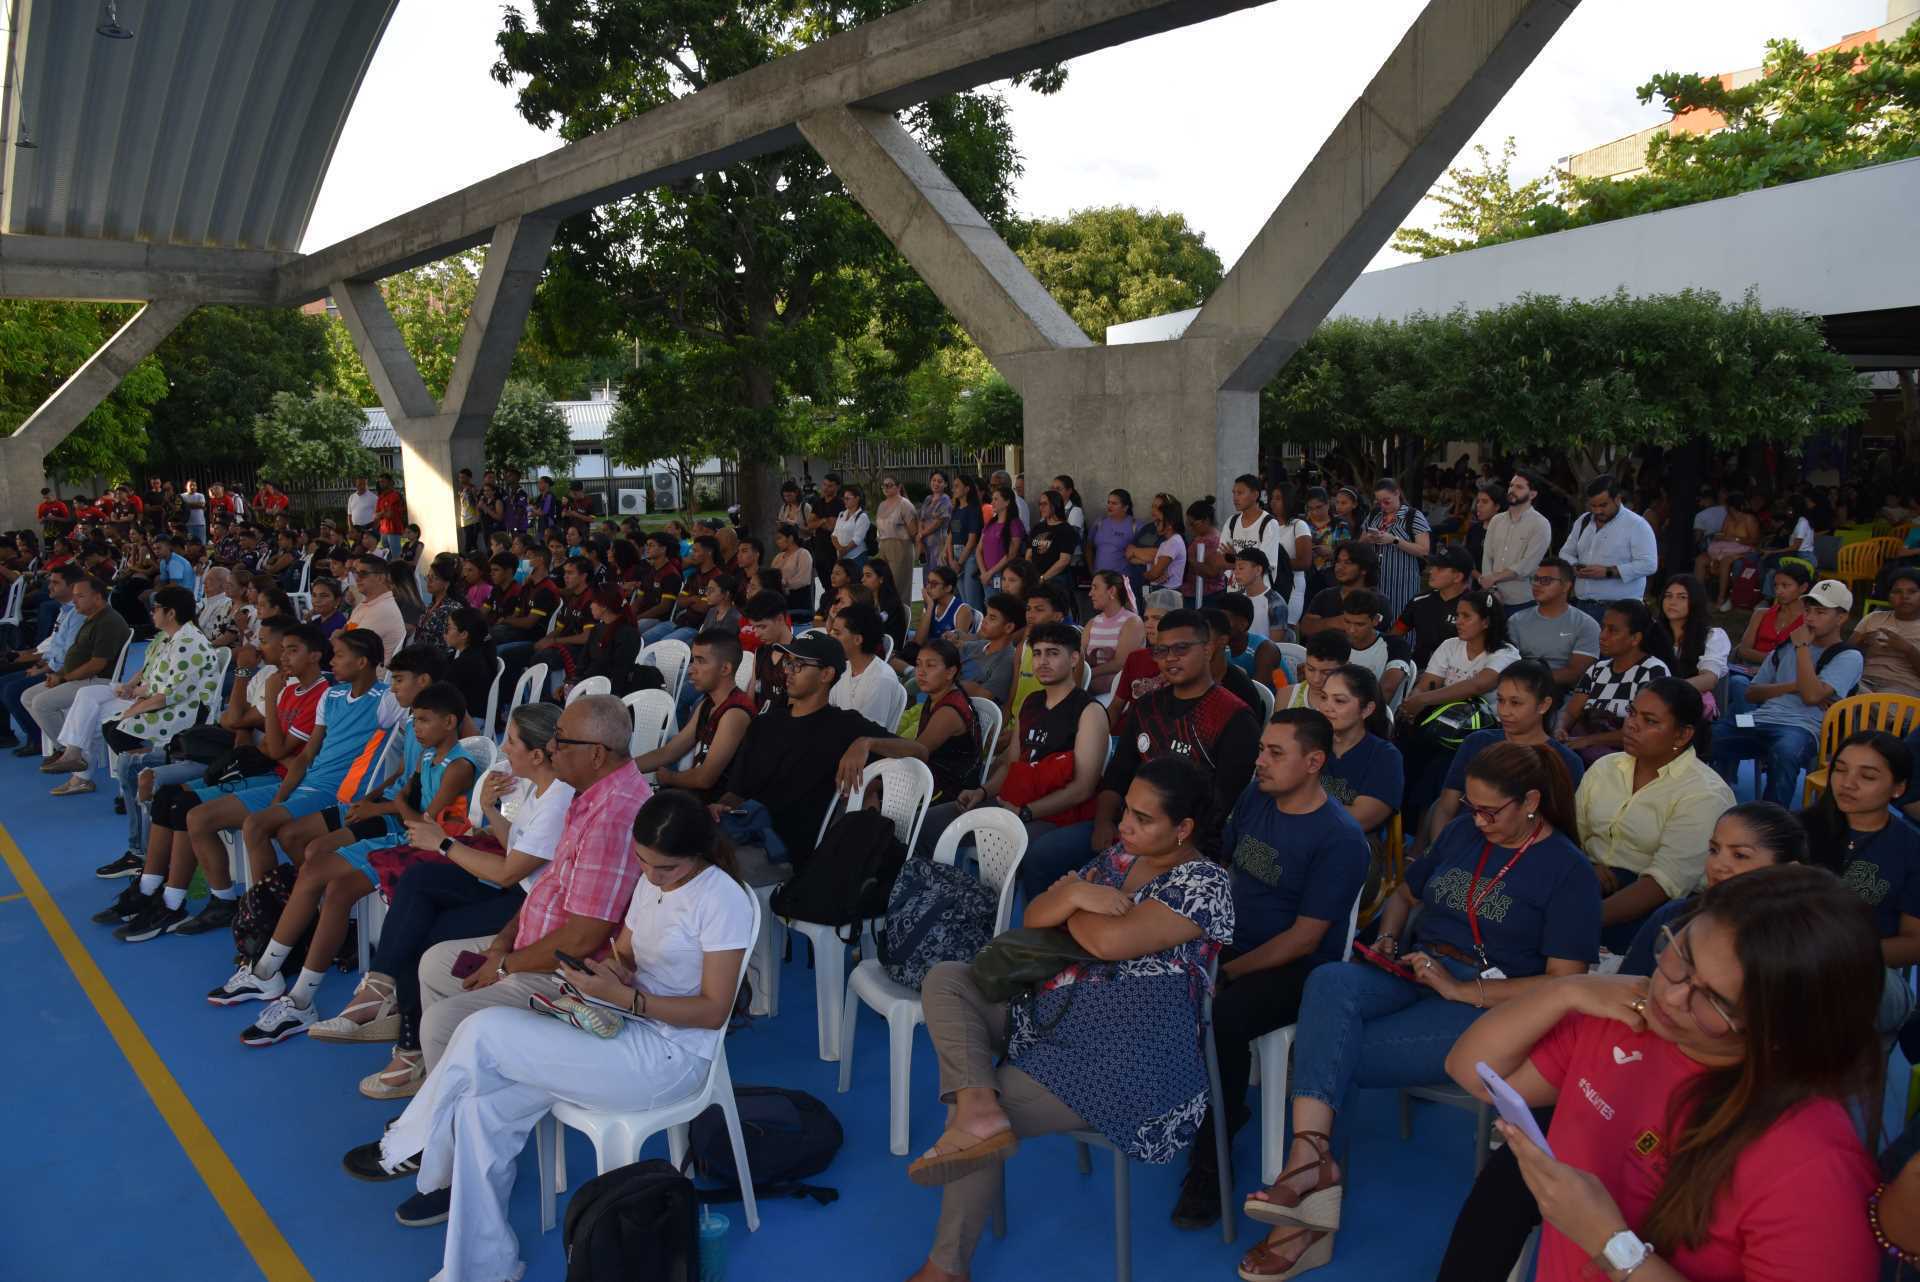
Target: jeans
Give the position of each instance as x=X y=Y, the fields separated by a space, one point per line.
x=1052 y=856
x=46 y=616
x=390 y=544
x=11 y=688
x=432 y=903
x=969 y=587
x=1360 y=1026
x=668 y=631
x=1784 y=750
x=127 y=775
x=1737 y=683
x=1597 y=610
x=1244 y=1010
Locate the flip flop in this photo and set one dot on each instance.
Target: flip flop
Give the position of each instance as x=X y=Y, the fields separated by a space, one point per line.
x=956 y=1155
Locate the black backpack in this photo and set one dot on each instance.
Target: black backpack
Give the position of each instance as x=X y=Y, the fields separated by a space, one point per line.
x=789 y=1135
x=259 y=912
x=635 y=1222
x=936 y=913
x=847 y=879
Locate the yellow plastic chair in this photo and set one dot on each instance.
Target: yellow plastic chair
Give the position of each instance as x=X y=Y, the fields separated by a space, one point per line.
x=1894 y=713
x=1860 y=562
x=1393 y=869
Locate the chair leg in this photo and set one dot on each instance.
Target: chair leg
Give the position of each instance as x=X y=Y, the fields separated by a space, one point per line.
x=1123 y=1218
x=559 y=1157
x=1273 y=1050
x=678 y=1140
x=1223 y=1161
x=849 y=1016
x=829 y=982
x=363 y=932
x=544 y=1152
x=899 y=1075
x=731 y=1111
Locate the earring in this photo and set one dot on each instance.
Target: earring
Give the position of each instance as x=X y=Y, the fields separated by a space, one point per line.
x=1529 y=814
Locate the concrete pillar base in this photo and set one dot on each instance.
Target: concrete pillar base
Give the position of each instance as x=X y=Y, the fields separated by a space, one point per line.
x=432 y=452
x=23 y=474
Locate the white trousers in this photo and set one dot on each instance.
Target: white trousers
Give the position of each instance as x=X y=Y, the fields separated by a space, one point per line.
x=91 y=706
x=501 y=1073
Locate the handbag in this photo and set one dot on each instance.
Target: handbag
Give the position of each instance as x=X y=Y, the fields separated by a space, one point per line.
x=1016 y=962
x=204 y=744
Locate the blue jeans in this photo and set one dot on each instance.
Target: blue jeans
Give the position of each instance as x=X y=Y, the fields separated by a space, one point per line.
x=12 y=687
x=390 y=544
x=1053 y=855
x=1597 y=610
x=1360 y=1026
x=666 y=630
x=139 y=817
x=1737 y=683
x=1784 y=750
x=432 y=903
x=969 y=587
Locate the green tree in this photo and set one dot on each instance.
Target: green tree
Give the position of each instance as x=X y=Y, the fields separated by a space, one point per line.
x=303 y=440
x=755 y=273
x=527 y=433
x=223 y=365
x=430 y=306
x=41 y=345
x=1481 y=203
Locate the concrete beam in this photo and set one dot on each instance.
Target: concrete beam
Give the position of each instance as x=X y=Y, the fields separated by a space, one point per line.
x=1454 y=64
x=515 y=261
x=960 y=256
x=390 y=366
x=82 y=270
x=933 y=48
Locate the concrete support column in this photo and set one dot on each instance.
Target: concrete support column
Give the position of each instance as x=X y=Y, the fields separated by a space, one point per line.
x=437 y=439
x=23 y=455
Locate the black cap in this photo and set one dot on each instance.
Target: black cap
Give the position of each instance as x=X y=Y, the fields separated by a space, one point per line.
x=1451 y=556
x=818 y=647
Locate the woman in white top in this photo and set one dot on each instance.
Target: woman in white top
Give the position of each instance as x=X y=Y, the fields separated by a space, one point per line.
x=1466 y=665
x=1114 y=631
x=1700 y=650
x=675 y=967
x=1296 y=546
x=477 y=890
x=851 y=526
x=868 y=680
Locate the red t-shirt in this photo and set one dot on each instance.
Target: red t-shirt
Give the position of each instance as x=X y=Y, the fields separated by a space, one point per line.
x=51 y=510
x=391 y=508
x=221 y=503
x=298 y=709
x=1795 y=1209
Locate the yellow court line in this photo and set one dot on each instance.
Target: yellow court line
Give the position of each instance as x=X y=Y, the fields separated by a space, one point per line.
x=250 y=1220
x=18 y=894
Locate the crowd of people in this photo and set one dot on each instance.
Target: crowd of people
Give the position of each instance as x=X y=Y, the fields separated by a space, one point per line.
x=1436 y=793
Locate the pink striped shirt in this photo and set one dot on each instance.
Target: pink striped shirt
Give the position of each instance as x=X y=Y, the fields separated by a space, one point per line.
x=593 y=870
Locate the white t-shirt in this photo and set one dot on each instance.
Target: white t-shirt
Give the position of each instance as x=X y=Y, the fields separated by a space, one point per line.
x=850 y=531
x=1277 y=539
x=862 y=693
x=1802 y=539
x=1450 y=663
x=537 y=819
x=360 y=507
x=674 y=930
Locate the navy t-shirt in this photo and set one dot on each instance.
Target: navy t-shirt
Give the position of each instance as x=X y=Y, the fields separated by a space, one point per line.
x=1646 y=940
x=1480 y=740
x=1884 y=870
x=1288 y=866
x=1547 y=905
x=1371 y=768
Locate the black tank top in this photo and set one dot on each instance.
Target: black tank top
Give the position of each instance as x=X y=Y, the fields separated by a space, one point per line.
x=1045 y=731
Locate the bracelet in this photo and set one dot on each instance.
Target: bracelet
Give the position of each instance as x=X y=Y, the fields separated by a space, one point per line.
x=1909 y=1258
x=1481 y=983
x=634 y=1005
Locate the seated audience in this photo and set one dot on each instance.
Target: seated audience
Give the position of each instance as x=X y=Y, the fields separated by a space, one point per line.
x=1522 y=700
x=711 y=736
x=1699 y=650
x=1753 y=834
x=1460 y=675
x=88 y=661
x=1364 y=772
x=1388 y=658
x=1356 y=566
x=868 y=684
x=1767 y=628
x=1889 y=640
x=949 y=727
x=612 y=645
x=988 y=663
x=1140 y=673
x=945 y=612
x=1252 y=579
x=1327 y=651
x=377 y=609
x=1232 y=676
x=1428 y=618
x=772 y=626
x=1114 y=633
x=1551 y=630
x=1252 y=654
x=1602 y=699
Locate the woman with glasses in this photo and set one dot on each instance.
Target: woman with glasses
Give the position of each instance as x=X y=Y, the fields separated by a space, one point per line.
x=1508 y=902
x=1703 y=1133
x=896 y=525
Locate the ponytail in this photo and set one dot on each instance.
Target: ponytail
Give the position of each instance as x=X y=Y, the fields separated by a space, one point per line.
x=1515 y=769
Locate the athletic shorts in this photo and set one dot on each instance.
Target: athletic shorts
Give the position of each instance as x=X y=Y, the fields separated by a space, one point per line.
x=255 y=793
x=359 y=855
x=304 y=801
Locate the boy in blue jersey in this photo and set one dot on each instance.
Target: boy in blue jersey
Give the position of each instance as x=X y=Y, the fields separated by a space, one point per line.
x=339 y=762
x=337 y=871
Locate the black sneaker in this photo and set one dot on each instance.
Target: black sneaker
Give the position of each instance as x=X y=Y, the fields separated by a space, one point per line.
x=217 y=915
x=1198 y=1206
x=158 y=919
x=424 y=1210
x=127 y=865
x=126 y=905
x=279 y=1021
x=362 y=1162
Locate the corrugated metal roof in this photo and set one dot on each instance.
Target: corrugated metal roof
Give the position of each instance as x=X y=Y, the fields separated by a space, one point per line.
x=213 y=125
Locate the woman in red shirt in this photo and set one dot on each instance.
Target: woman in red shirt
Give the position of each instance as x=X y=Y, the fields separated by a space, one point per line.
x=1702 y=1132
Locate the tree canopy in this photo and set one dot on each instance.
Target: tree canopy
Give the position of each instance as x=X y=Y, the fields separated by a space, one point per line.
x=304 y=438
x=527 y=433
x=222 y=365
x=41 y=345
x=1480 y=203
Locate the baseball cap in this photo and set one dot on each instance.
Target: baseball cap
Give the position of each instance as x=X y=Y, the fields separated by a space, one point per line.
x=817 y=647
x=1451 y=557
x=1831 y=593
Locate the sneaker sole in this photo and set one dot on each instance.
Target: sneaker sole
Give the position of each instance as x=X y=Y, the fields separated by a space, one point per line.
x=234 y=999
x=145 y=935
x=276 y=1038
x=337 y=1029
x=192 y=927
x=427 y=1223
x=116 y=876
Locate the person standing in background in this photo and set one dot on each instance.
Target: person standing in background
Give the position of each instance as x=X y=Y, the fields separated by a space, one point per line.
x=1402 y=538
x=1517 y=539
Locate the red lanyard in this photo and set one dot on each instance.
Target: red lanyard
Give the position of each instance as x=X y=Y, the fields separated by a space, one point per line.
x=1474 y=899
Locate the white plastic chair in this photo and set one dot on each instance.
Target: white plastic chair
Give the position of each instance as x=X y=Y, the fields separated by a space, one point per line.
x=1000 y=843
x=743 y=674
x=886 y=704
x=1295 y=657
x=654 y=721
x=527 y=689
x=493 y=699
x=906 y=790
x=16 y=599
x=618 y=1137
x=592 y=685
x=886 y=647
x=989 y=714
x=1270 y=1059
x=371 y=911
x=1265 y=710
x=671 y=657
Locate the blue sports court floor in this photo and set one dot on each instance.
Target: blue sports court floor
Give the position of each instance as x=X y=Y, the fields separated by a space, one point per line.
x=145 y=1141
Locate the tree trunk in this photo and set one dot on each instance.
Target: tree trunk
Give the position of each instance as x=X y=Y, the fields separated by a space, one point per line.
x=759 y=485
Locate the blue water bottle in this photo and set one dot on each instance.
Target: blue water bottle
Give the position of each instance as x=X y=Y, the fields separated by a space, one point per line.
x=713 y=1245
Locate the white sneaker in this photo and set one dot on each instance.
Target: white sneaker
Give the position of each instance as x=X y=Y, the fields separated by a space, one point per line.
x=245 y=986
x=279 y=1021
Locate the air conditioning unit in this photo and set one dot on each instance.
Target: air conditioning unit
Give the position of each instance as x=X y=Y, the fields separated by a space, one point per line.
x=633 y=502
x=666 y=491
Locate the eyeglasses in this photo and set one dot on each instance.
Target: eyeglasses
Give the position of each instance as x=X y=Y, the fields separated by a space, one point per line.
x=1708 y=1008
x=1547 y=580
x=1487 y=814
x=564 y=742
x=1173 y=649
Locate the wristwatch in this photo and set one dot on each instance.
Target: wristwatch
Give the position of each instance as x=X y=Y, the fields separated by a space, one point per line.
x=446 y=844
x=1026 y=814
x=1624 y=1253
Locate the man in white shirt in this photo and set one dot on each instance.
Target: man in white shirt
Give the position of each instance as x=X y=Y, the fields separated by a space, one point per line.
x=1249 y=576
x=216 y=607
x=360 y=507
x=1612 y=550
x=1252 y=527
x=1516 y=540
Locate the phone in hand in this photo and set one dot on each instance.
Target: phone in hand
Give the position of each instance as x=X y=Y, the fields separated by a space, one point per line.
x=1510 y=1106
x=571 y=962
x=1383 y=961
x=468 y=962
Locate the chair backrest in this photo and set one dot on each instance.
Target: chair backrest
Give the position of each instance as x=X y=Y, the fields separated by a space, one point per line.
x=306 y=571
x=528 y=687
x=999 y=844
x=1086 y=675
x=1265 y=692
x=493 y=697
x=499 y=767
x=886 y=706
x=222 y=660
x=1860 y=560
x=906 y=790
x=653 y=720
x=1894 y=713
x=988 y=713
x=120 y=664
x=592 y=685
x=484 y=752
x=16 y=597
x=886 y=646
x=1294 y=655
x=743 y=675
x=671 y=657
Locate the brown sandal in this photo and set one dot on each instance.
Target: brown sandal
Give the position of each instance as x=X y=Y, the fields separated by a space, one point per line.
x=1317 y=1208
x=956 y=1155
x=1265 y=1264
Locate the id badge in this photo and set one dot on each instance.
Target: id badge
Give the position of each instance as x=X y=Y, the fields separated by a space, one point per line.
x=1493 y=972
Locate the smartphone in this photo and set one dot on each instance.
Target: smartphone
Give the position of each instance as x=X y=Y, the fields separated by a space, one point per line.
x=1744 y=720
x=468 y=962
x=1510 y=1105
x=1383 y=961
x=571 y=962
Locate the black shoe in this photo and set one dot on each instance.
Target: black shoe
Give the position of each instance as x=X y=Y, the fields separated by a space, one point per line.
x=217 y=915
x=126 y=905
x=1198 y=1206
x=27 y=750
x=127 y=865
x=158 y=919
x=363 y=1163
x=9 y=741
x=119 y=805
x=424 y=1210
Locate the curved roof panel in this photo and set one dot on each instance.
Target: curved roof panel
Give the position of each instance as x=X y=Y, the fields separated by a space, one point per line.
x=213 y=125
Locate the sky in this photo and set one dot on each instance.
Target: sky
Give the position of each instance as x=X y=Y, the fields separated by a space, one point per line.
x=1214 y=121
